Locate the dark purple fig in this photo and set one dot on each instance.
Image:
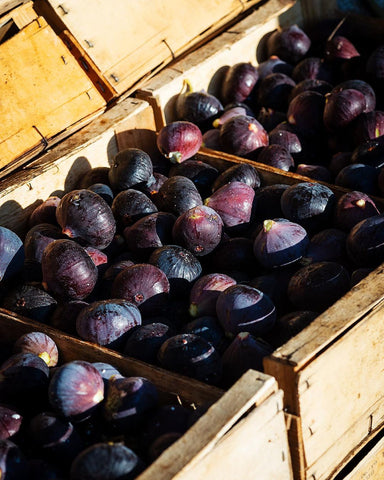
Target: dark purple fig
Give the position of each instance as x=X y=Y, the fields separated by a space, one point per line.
x=107 y=322
x=76 y=389
x=165 y=419
x=84 y=215
x=363 y=87
x=309 y=204
x=375 y=66
x=285 y=138
x=340 y=48
x=289 y=43
x=128 y=401
x=179 y=140
x=40 y=344
x=197 y=107
x=234 y=110
x=289 y=325
x=209 y=328
x=177 y=195
x=313 y=68
x=359 y=176
x=180 y=266
x=242 y=308
x=273 y=64
x=107 y=371
x=11 y=254
x=157 y=447
x=145 y=341
x=274 y=91
x=10 y=422
x=205 y=292
x=191 y=355
x=105 y=191
x=280 y=243
x=148 y=233
x=370 y=153
x=238 y=82
x=130 y=168
x=305 y=111
x=352 y=207
x=270 y=118
x=244 y=352
x=54 y=437
x=144 y=285
x=129 y=206
x=64 y=316
x=242 y=134
x=198 y=230
x=202 y=174
x=29 y=301
x=311 y=84
x=342 y=107
x=24 y=375
x=338 y=161
x=240 y=172
x=359 y=274
x=233 y=254
x=368 y=126
x=365 y=242
x=276 y=156
x=68 y=271
x=153 y=185
x=316 y=172
x=267 y=201
x=211 y=139
x=318 y=286
x=101 y=461
x=45 y=212
x=233 y=202
x=92 y=176
x=13 y=463
x=38 y=237
x=328 y=245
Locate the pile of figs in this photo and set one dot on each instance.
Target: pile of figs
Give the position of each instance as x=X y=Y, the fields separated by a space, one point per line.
x=313 y=104
x=79 y=420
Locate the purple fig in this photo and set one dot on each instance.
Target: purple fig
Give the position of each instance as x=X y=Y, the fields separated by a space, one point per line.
x=242 y=134
x=179 y=140
x=130 y=168
x=239 y=80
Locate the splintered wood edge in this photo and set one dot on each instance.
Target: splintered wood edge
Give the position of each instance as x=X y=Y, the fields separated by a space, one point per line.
x=73 y=348
x=251 y=390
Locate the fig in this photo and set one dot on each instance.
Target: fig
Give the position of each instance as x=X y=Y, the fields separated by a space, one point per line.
x=365 y=244
x=273 y=64
x=64 y=316
x=108 y=460
x=105 y=191
x=341 y=107
x=179 y=140
x=358 y=176
x=318 y=286
x=151 y=188
x=368 y=126
x=280 y=243
x=40 y=344
x=340 y=48
x=286 y=138
x=198 y=230
x=209 y=328
x=130 y=205
x=75 y=390
x=45 y=212
x=92 y=176
x=267 y=201
x=205 y=291
x=314 y=68
x=11 y=254
x=107 y=322
x=107 y=371
x=177 y=195
x=144 y=285
x=211 y=139
x=240 y=172
x=130 y=168
x=238 y=82
x=310 y=84
x=316 y=172
x=353 y=207
x=13 y=463
x=242 y=308
x=85 y=215
x=38 y=237
x=289 y=43
x=363 y=87
x=289 y=325
x=306 y=111
x=274 y=91
x=276 y=156
x=10 y=422
x=202 y=174
x=328 y=245
x=370 y=153
x=145 y=341
x=191 y=355
x=68 y=271
x=270 y=118
x=242 y=134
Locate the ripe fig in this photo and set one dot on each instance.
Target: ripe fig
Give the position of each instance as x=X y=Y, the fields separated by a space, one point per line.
x=358 y=176
x=105 y=191
x=240 y=172
x=274 y=91
x=314 y=68
x=363 y=87
x=242 y=134
x=353 y=207
x=177 y=195
x=202 y=174
x=310 y=84
x=276 y=156
x=267 y=201
x=145 y=341
x=273 y=64
x=209 y=328
x=40 y=344
x=365 y=242
x=11 y=254
x=328 y=245
x=289 y=43
x=129 y=206
x=339 y=47
x=10 y=422
x=179 y=140
x=316 y=172
x=342 y=107
x=238 y=82
x=38 y=237
x=306 y=111
x=130 y=168
x=45 y=212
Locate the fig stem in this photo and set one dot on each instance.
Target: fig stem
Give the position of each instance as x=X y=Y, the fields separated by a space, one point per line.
x=267 y=225
x=175 y=157
x=45 y=356
x=333 y=33
x=187 y=85
x=360 y=203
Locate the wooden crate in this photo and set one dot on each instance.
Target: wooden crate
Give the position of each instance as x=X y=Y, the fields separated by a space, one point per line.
x=44 y=92
x=242 y=433
x=119 y=43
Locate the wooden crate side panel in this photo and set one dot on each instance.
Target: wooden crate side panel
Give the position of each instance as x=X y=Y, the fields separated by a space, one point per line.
x=341 y=394
x=57 y=171
x=43 y=89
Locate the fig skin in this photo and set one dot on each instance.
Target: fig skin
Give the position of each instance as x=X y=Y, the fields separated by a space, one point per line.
x=38 y=237
x=177 y=195
x=306 y=111
x=363 y=87
x=365 y=244
x=242 y=308
x=342 y=107
x=10 y=422
x=105 y=191
x=145 y=341
x=238 y=82
x=274 y=91
x=144 y=285
x=85 y=215
x=202 y=174
x=180 y=140
x=353 y=207
x=129 y=206
x=241 y=172
x=40 y=344
x=45 y=212
x=75 y=390
x=205 y=291
x=11 y=254
x=276 y=156
x=242 y=134
x=280 y=243
x=209 y=328
x=328 y=245
x=131 y=168
x=358 y=176
x=107 y=322
x=289 y=43
x=68 y=271
x=197 y=107
x=198 y=230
